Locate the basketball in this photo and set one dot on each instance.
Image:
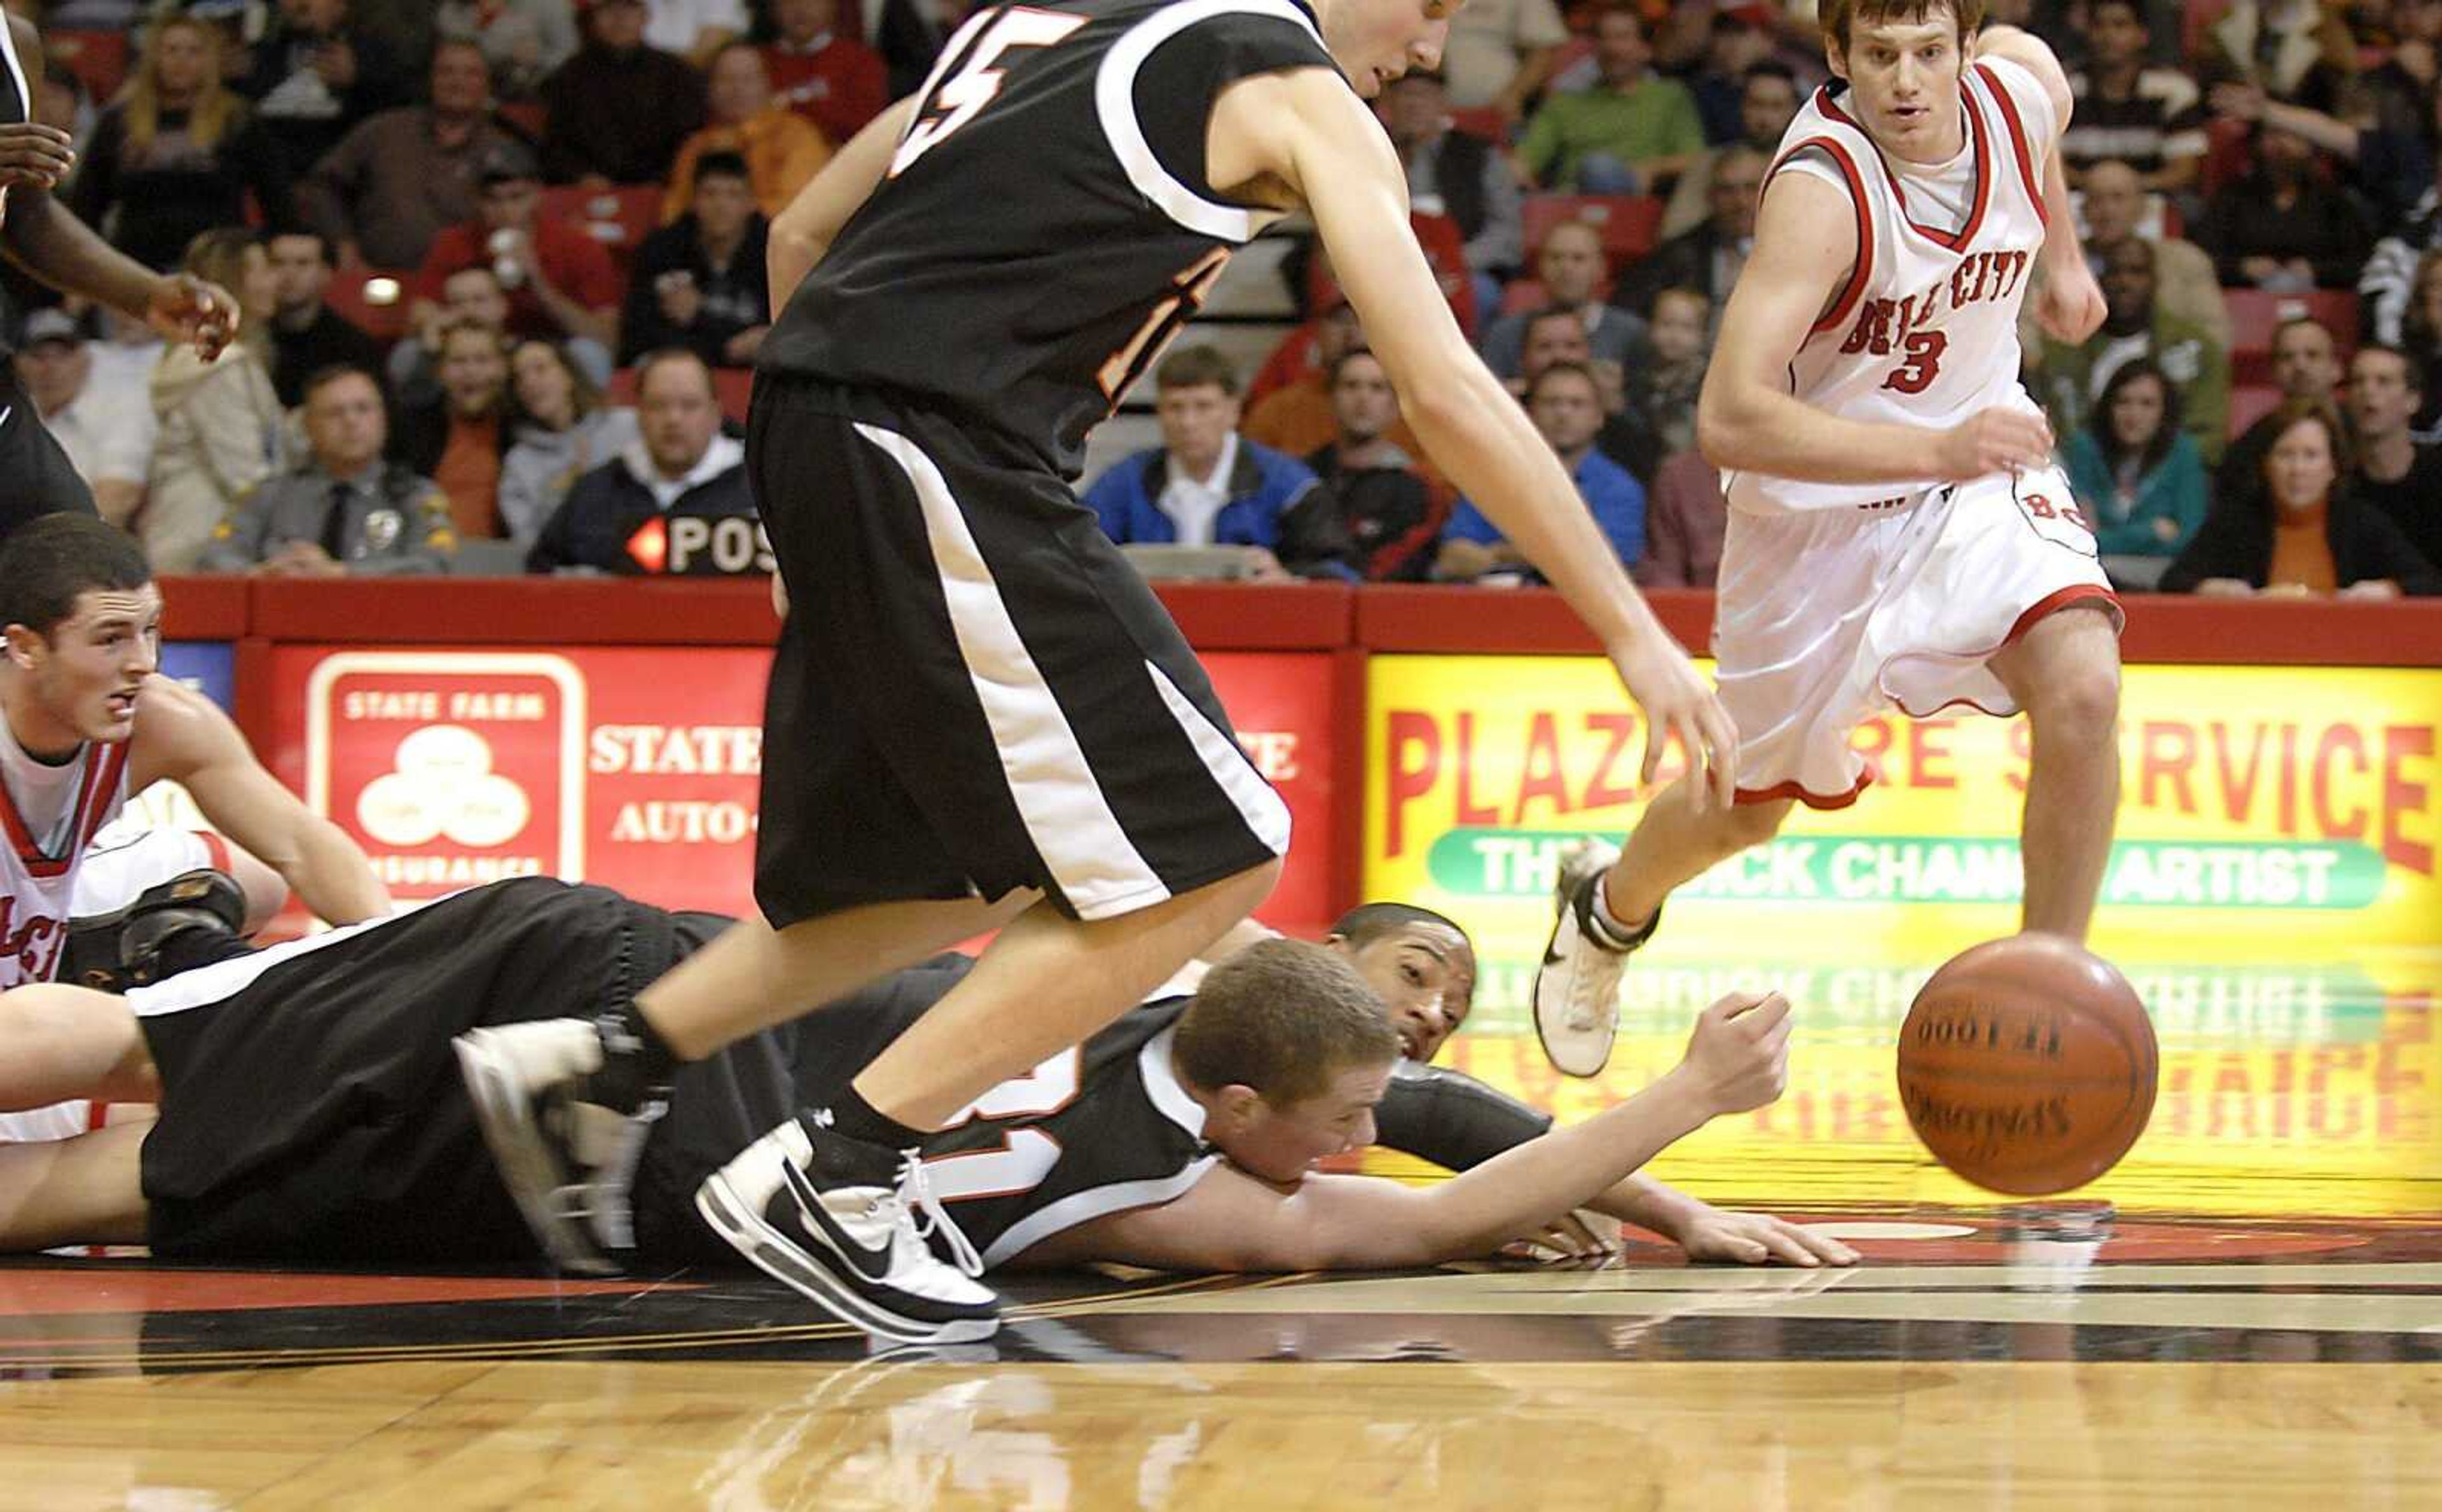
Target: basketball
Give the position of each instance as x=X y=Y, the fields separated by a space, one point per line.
x=2027 y=1065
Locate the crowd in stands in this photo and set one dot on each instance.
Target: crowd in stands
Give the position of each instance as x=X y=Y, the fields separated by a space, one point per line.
x=502 y=268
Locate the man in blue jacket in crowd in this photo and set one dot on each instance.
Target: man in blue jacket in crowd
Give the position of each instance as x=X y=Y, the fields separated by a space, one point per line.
x=1208 y=486
x=1565 y=401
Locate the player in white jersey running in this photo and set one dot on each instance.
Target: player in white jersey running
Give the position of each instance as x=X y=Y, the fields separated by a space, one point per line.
x=1899 y=532
x=87 y=720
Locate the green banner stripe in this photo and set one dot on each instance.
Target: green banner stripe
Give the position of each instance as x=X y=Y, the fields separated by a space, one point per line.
x=1484 y=862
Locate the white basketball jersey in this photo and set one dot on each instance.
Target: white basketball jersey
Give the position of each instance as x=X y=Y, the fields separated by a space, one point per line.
x=37 y=882
x=1925 y=330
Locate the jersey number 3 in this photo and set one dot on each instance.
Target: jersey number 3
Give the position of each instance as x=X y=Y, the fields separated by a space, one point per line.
x=1924 y=363
x=966 y=78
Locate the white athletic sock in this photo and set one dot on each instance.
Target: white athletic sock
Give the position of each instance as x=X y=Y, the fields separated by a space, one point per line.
x=1616 y=934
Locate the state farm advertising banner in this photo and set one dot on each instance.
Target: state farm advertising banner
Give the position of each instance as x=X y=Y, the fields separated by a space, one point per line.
x=637 y=766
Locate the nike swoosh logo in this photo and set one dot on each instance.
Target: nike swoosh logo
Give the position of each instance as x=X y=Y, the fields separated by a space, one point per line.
x=872 y=1264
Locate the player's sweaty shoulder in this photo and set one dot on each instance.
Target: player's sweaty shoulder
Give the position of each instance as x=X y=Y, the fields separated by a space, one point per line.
x=1806 y=223
x=177 y=730
x=1264 y=127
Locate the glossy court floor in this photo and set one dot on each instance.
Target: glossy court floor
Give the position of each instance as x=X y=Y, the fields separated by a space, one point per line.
x=2249 y=1312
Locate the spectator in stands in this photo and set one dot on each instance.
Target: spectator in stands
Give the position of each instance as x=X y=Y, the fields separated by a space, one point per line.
x=470 y=294
x=1566 y=404
x=1733 y=45
x=2418 y=330
x=694 y=30
x=781 y=151
x=1769 y=105
x=1553 y=339
x=222 y=429
x=2394 y=474
x=2398 y=92
x=2149 y=119
x=1571 y=267
x=346 y=512
x=616 y=112
x=178 y=154
x=307 y=334
x=1296 y=415
x=458 y=438
x=2297 y=531
x=1208 y=486
x=560 y=280
x=1500 y=53
x=681 y=468
x=2184 y=285
x=2391 y=168
x=2135 y=473
x=521 y=40
x=563 y=431
x=2297 y=51
x=1391 y=513
x=1686 y=521
x=315 y=73
x=2306 y=365
x=392 y=183
x=833 y=81
x=2284 y=227
x=1660 y=394
x=106 y=432
x=2134 y=325
x=1463 y=177
x=1708 y=257
x=700 y=283
x=1628 y=134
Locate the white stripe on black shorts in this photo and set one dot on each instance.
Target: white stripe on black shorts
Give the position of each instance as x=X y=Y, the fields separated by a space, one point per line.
x=973 y=692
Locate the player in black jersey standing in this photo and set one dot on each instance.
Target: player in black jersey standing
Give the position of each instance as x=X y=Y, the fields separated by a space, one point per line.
x=979 y=714
x=43 y=238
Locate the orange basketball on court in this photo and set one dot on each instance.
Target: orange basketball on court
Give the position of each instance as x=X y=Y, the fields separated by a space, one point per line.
x=2027 y=1065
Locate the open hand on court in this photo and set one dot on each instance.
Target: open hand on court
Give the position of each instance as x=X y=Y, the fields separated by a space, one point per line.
x=1997 y=440
x=1758 y=1238
x=186 y=308
x=35 y=154
x=1738 y=1054
x=1676 y=701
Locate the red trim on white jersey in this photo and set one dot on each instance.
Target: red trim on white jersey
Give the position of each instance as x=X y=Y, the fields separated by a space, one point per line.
x=1861 y=273
x=2018 y=130
x=1794 y=788
x=1978 y=138
x=103 y=765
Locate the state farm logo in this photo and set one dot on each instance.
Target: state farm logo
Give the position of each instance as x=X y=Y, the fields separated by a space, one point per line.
x=451 y=768
x=442 y=786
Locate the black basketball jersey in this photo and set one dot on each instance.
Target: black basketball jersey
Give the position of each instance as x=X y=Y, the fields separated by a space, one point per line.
x=1046 y=225
x=16 y=106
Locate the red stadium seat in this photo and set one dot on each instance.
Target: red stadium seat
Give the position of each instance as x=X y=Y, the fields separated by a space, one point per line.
x=1521 y=297
x=2255 y=314
x=1480 y=121
x=98 y=59
x=618 y=217
x=1629 y=224
x=2248 y=404
x=525 y=115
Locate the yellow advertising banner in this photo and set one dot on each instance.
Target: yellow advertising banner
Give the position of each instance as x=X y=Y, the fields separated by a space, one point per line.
x=2264 y=810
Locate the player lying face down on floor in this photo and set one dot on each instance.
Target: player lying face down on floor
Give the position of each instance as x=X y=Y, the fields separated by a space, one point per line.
x=311 y=1113
x=1422 y=965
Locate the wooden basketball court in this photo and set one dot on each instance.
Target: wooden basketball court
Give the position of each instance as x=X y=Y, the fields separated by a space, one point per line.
x=2248 y=1312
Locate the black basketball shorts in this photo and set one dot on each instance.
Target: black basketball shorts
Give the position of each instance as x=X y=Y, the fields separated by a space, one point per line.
x=973 y=692
x=36 y=477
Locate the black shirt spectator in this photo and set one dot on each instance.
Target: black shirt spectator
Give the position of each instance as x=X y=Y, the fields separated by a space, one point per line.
x=315 y=74
x=178 y=155
x=2150 y=119
x=307 y=334
x=618 y=110
x=1393 y=515
x=684 y=471
x=2283 y=227
x=700 y=283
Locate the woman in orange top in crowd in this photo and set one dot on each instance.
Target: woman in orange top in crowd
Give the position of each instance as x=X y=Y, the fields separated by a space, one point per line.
x=2301 y=534
x=783 y=151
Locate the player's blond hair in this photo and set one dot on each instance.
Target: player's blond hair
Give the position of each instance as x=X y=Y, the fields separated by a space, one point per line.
x=1285 y=1018
x=1838 y=17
